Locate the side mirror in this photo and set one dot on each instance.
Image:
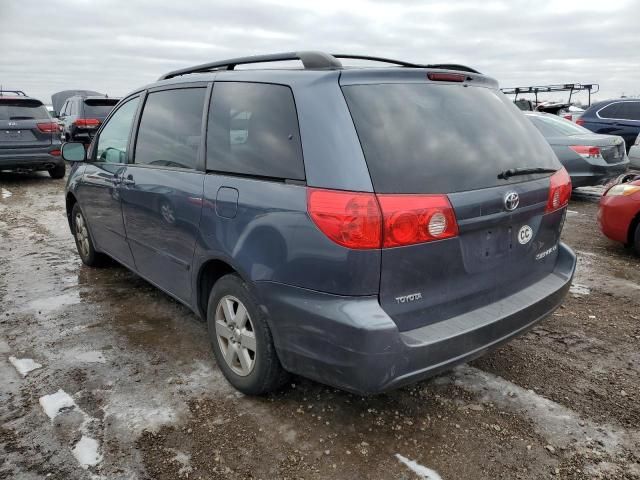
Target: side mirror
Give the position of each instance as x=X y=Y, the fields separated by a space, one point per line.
x=74 y=152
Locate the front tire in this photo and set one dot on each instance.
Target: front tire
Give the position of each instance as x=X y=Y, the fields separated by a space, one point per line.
x=84 y=243
x=241 y=340
x=58 y=171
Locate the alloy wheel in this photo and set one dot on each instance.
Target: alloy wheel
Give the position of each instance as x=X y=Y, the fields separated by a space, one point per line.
x=82 y=235
x=236 y=335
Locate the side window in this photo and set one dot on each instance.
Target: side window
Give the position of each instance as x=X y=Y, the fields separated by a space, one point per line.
x=610 y=111
x=64 y=108
x=630 y=111
x=73 y=109
x=114 y=137
x=170 y=128
x=253 y=130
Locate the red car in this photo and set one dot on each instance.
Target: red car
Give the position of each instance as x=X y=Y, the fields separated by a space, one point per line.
x=619 y=213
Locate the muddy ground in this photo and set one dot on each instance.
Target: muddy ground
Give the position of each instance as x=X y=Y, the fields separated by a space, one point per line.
x=141 y=397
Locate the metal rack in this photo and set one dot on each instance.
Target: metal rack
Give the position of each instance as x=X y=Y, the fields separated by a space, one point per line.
x=564 y=87
x=311 y=60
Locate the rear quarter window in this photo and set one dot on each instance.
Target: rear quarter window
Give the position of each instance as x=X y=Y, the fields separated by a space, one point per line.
x=253 y=130
x=426 y=138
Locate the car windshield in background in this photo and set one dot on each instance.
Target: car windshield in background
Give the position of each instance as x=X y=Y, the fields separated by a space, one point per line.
x=22 y=110
x=99 y=107
x=425 y=138
x=552 y=126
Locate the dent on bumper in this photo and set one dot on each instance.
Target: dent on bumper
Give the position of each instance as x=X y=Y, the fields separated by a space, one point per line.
x=352 y=344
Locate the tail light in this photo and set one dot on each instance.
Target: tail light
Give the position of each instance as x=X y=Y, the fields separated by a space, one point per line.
x=567 y=117
x=586 y=151
x=580 y=122
x=350 y=219
x=55 y=153
x=559 y=191
x=367 y=221
x=87 y=122
x=49 y=127
x=410 y=219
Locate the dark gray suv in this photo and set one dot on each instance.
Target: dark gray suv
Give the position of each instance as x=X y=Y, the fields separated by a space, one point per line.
x=29 y=138
x=363 y=227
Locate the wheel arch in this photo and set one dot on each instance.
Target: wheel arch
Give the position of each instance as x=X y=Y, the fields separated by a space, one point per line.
x=209 y=273
x=70 y=201
x=632 y=228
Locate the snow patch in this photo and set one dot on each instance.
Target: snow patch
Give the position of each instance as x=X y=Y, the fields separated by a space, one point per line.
x=420 y=470
x=553 y=421
x=86 y=452
x=24 y=365
x=50 y=304
x=183 y=459
x=93 y=356
x=56 y=402
x=4 y=193
x=577 y=289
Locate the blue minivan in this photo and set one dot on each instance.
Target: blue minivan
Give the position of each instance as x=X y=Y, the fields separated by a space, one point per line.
x=362 y=227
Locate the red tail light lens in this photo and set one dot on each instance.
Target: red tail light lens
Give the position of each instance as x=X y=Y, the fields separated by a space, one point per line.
x=365 y=221
x=580 y=122
x=446 y=77
x=410 y=219
x=55 y=153
x=49 y=127
x=351 y=219
x=87 y=122
x=559 y=191
x=567 y=117
x=586 y=151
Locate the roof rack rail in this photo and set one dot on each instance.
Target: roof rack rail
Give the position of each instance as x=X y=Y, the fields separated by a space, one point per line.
x=17 y=92
x=402 y=63
x=562 y=87
x=311 y=60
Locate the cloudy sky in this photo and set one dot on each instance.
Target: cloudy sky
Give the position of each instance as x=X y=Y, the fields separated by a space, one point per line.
x=114 y=46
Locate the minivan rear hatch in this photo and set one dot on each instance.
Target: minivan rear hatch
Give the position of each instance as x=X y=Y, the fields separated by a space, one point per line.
x=464 y=141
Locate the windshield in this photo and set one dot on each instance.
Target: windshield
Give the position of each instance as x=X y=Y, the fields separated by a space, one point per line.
x=426 y=138
x=99 y=108
x=22 y=110
x=552 y=126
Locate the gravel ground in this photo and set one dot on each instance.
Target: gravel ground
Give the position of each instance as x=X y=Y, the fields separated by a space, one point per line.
x=118 y=381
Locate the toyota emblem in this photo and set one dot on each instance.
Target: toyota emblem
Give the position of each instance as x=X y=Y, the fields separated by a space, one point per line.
x=511 y=201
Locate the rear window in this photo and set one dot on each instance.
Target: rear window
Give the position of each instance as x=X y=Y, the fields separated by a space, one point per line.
x=22 y=110
x=552 y=126
x=99 y=107
x=425 y=138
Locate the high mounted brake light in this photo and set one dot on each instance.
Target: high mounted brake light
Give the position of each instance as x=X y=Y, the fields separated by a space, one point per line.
x=446 y=77
x=367 y=221
x=559 y=191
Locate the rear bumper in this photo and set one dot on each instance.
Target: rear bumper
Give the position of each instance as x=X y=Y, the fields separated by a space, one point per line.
x=29 y=160
x=352 y=344
x=598 y=174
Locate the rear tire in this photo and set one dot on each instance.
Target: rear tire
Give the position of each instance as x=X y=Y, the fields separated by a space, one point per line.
x=84 y=243
x=241 y=339
x=58 y=171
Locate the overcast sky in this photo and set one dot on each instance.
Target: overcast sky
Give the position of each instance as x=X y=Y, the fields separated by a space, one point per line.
x=114 y=46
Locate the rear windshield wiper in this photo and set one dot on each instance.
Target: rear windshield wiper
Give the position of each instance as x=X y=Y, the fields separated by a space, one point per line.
x=513 y=172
